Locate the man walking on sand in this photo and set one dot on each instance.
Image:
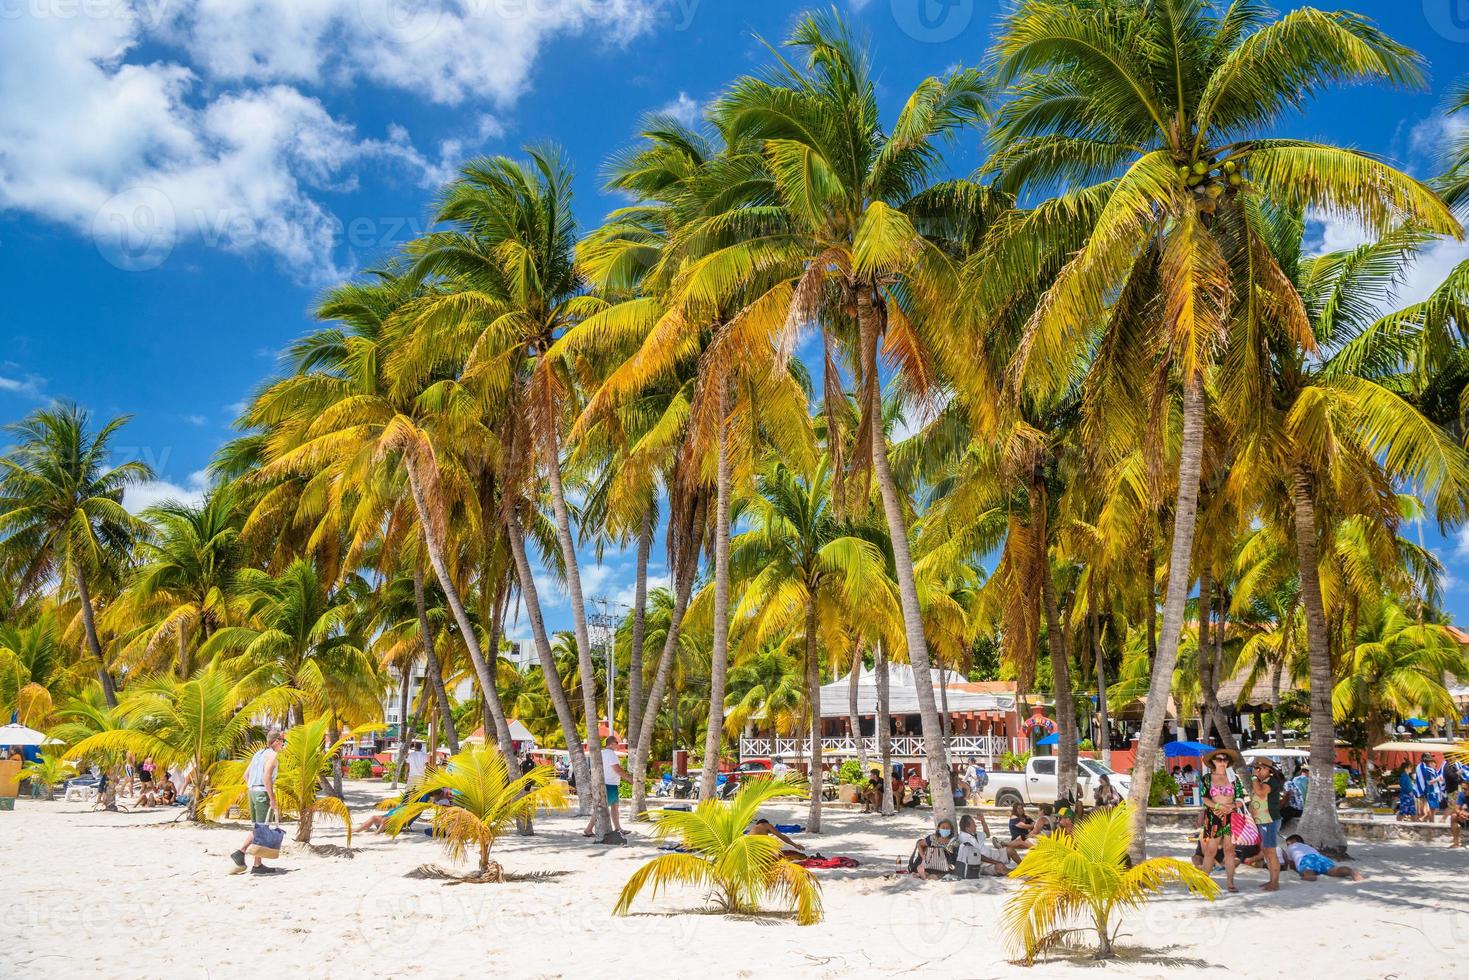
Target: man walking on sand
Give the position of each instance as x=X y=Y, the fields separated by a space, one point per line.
x=260 y=783
x=612 y=775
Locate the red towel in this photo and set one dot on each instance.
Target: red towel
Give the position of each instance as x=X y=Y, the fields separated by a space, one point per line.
x=826 y=862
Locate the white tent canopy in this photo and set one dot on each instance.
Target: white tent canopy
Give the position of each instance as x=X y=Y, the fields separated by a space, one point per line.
x=903 y=694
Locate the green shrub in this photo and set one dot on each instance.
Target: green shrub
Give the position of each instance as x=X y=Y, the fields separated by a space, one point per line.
x=1014 y=761
x=851 y=772
x=1163 y=787
x=359 y=769
x=1087 y=745
x=1339 y=782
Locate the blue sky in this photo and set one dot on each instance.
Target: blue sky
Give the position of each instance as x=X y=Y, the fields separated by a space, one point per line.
x=180 y=178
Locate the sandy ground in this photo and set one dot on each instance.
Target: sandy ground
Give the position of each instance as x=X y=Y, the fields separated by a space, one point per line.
x=134 y=895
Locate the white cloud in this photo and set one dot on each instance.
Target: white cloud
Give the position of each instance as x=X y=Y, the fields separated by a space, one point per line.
x=683 y=108
x=140 y=497
x=444 y=50
x=30 y=386
x=1461 y=542
x=196 y=420
x=144 y=123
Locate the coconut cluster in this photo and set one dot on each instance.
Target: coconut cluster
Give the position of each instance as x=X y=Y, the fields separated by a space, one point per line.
x=1211 y=180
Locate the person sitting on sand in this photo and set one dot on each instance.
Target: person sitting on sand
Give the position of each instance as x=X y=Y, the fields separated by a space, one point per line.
x=933 y=855
x=168 y=794
x=976 y=854
x=1459 y=816
x=872 y=792
x=764 y=828
x=1045 y=821
x=1021 y=827
x=1310 y=863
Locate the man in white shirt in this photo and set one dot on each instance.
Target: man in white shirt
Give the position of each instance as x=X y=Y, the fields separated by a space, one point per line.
x=612 y=775
x=779 y=768
x=417 y=763
x=1310 y=863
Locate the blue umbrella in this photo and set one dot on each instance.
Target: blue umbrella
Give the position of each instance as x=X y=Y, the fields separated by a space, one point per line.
x=1052 y=739
x=1180 y=748
x=1415 y=722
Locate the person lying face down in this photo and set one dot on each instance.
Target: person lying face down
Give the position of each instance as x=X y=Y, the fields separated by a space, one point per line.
x=764 y=828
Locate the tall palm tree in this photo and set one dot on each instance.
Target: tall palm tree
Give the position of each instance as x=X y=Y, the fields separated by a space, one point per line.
x=61 y=513
x=803 y=569
x=850 y=257
x=513 y=289
x=1155 y=112
x=1334 y=438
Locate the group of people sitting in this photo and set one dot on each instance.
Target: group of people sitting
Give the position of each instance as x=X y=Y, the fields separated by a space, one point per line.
x=150 y=785
x=970 y=851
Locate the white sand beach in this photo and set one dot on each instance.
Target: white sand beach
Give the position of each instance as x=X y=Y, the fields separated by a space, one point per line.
x=136 y=895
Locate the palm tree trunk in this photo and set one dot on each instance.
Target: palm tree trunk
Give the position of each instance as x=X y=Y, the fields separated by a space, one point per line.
x=89 y=625
x=436 y=558
x=854 y=720
x=884 y=731
x=500 y=723
x=1204 y=658
x=601 y=817
x=1318 y=824
x=944 y=720
x=1104 y=731
x=1155 y=709
x=1211 y=689
x=639 y=625
x=1066 y=765
x=940 y=780
x=433 y=672
x=813 y=699
x=683 y=587
x=1275 y=673
x=403 y=722
x=183 y=655
x=1151 y=573
x=719 y=662
x=530 y=597
x=334 y=734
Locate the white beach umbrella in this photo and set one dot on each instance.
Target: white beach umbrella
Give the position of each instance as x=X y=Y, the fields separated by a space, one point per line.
x=21 y=735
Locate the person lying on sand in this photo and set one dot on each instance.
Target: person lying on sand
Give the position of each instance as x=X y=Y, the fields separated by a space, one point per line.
x=764 y=828
x=1310 y=863
x=376 y=822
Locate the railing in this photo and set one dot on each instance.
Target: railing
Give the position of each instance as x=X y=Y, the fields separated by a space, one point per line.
x=987 y=747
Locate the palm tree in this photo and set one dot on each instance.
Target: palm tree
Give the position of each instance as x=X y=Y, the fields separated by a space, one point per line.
x=298 y=637
x=837 y=231
x=1156 y=111
x=1086 y=874
x=1394 y=666
x=303 y=763
x=61 y=513
x=185 y=587
x=1334 y=437
x=513 y=288
x=34 y=671
x=740 y=870
x=190 y=723
x=803 y=568
x=484 y=804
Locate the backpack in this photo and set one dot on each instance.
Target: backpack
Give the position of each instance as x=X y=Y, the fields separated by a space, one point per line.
x=614 y=837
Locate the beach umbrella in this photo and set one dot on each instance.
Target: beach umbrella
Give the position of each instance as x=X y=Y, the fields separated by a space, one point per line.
x=1415 y=722
x=21 y=735
x=1183 y=747
x=1052 y=739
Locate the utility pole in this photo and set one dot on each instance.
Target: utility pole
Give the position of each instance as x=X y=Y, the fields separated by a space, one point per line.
x=604 y=626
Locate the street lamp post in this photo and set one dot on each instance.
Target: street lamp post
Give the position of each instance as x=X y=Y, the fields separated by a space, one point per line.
x=604 y=621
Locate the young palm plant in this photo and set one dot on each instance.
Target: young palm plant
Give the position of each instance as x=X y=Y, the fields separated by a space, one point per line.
x=49 y=771
x=740 y=871
x=303 y=763
x=1085 y=873
x=485 y=804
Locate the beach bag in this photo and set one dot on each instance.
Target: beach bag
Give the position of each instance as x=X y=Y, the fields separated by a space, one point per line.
x=1243 y=828
x=267 y=837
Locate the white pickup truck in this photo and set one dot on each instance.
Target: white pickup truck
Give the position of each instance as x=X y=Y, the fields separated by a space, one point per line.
x=1037 y=784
